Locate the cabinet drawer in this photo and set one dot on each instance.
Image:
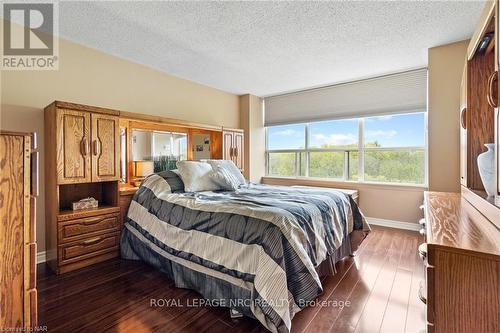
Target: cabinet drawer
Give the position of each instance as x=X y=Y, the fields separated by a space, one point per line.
x=85 y=227
x=88 y=247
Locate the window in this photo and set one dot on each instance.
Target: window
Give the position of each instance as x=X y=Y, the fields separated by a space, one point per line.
x=386 y=149
x=395 y=149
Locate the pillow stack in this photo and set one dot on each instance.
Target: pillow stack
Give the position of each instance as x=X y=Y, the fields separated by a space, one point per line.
x=226 y=174
x=210 y=175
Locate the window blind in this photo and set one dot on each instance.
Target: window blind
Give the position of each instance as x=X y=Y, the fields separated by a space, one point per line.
x=396 y=93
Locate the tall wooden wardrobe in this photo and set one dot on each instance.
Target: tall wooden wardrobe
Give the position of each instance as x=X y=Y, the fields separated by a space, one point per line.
x=82 y=159
x=18 y=191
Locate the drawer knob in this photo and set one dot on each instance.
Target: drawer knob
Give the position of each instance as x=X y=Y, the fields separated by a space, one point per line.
x=422 y=251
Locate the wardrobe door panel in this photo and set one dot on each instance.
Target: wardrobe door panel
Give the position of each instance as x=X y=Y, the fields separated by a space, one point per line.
x=227 y=138
x=73 y=147
x=11 y=231
x=105 y=148
x=238 y=149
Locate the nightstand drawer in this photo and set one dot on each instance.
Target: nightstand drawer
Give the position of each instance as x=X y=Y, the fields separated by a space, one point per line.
x=88 y=226
x=88 y=247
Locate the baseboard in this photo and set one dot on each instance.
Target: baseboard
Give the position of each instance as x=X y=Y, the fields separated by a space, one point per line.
x=394 y=224
x=41 y=257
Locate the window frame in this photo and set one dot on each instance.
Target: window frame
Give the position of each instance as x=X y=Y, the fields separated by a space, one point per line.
x=361 y=149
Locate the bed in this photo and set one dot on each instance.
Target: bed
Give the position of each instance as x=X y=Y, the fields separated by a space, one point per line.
x=258 y=250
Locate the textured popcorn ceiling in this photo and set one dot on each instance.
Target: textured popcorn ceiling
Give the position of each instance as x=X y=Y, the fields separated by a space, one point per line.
x=265 y=48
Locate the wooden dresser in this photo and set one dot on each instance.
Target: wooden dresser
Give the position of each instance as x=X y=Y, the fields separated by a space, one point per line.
x=82 y=160
x=462 y=265
x=18 y=191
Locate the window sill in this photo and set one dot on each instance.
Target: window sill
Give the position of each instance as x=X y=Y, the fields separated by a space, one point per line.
x=322 y=182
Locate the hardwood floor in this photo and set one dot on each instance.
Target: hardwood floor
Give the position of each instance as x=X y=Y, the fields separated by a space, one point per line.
x=380 y=282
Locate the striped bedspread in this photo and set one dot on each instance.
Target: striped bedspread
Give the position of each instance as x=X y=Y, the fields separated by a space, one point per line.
x=255 y=249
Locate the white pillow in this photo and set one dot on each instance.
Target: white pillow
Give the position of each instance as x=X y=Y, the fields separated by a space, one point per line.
x=197 y=176
x=226 y=174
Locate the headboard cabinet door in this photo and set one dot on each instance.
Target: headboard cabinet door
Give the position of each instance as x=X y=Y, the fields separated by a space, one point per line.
x=105 y=147
x=73 y=146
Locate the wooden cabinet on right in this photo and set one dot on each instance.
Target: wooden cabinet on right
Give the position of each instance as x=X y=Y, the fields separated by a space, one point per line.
x=462 y=266
x=479 y=109
x=233 y=147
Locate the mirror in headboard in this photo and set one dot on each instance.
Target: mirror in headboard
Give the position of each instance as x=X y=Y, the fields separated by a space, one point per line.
x=164 y=149
x=148 y=147
x=200 y=146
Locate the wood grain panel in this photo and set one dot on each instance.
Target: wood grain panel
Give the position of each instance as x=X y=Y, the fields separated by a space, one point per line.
x=86 y=108
x=73 y=151
x=87 y=227
x=67 y=215
x=51 y=188
x=463 y=266
x=125 y=200
x=29 y=250
x=156 y=120
x=467 y=296
x=89 y=260
x=105 y=148
x=216 y=145
x=480 y=116
x=88 y=248
x=12 y=205
x=452 y=222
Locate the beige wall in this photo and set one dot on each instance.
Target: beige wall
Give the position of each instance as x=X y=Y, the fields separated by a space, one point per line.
x=252 y=121
x=88 y=76
x=446 y=64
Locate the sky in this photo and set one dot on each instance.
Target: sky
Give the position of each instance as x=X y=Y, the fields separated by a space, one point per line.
x=389 y=131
